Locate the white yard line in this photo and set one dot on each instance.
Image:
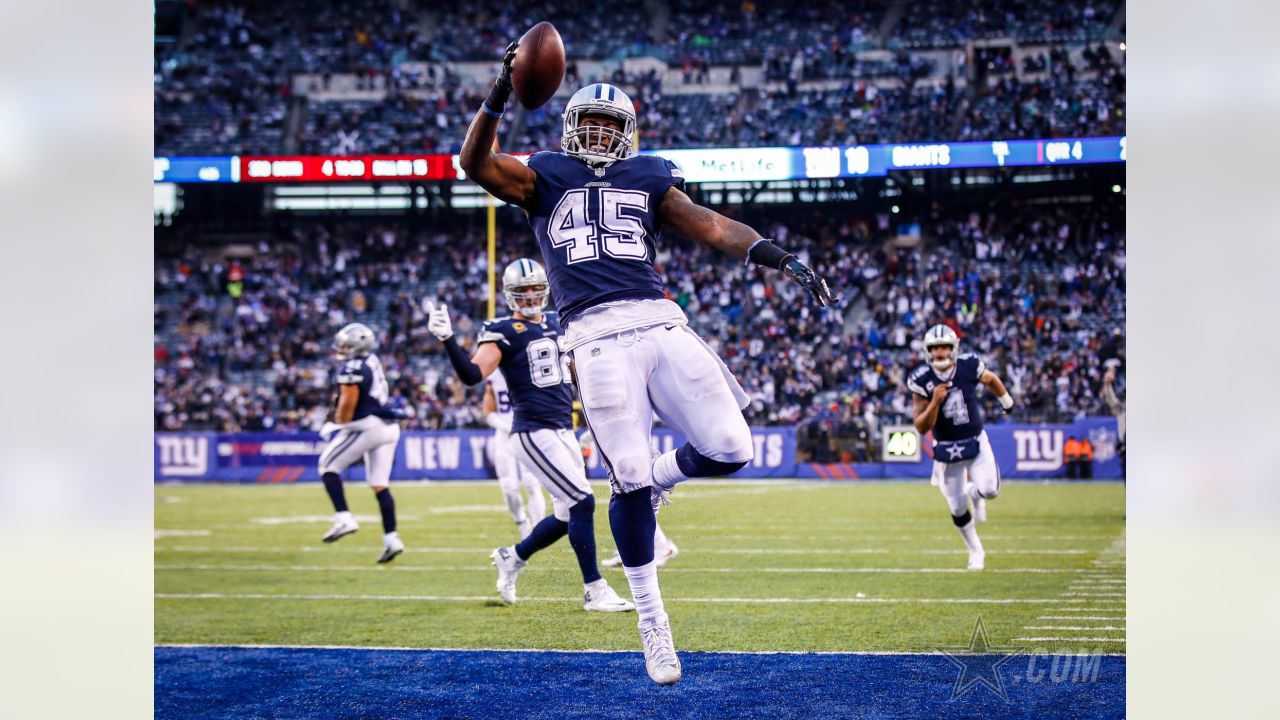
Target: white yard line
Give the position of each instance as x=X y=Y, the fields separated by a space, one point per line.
x=237 y=646
x=1073 y=627
x=1069 y=639
x=731 y=600
x=401 y=567
x=692 y=550
x=1081 y=617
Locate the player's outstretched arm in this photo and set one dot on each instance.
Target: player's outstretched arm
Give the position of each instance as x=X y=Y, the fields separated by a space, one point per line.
x=505 y=177
x=471 y=370
x=730 y=236
x=992 y=382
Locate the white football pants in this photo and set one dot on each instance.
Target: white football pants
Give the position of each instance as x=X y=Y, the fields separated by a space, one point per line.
x=371 y=439
x=624 y=379
x=555 y=459
x=511 y=476
x=983 y=472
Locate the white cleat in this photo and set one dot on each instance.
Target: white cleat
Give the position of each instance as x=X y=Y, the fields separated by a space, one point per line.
x=340 y=529
x=660 y=557
x=660 y=658
x=979 y=508
x=977 y=560
x=509 y=566
x=604 y=599
x=391 y=548
x=670 y=552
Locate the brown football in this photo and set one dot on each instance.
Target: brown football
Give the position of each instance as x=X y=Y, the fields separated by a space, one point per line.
x=539 y=65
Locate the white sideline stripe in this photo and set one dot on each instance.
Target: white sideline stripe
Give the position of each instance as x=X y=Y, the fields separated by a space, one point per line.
x=1072 y=627
x=701 y=551
x=1081 y=617
x=160 y=534
x=1088 y=609
x=489 y=568
x=375 y=648
x=1069 y=639
x=481 y=598
x=1085 y=594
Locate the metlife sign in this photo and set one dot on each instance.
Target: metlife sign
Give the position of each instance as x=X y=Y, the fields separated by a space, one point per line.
x=732 y=164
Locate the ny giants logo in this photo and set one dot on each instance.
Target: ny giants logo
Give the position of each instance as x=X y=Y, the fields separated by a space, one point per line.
x=1039 y=449
x=183 y=455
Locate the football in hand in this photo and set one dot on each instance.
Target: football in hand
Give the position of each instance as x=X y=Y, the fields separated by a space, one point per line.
x=539 y=65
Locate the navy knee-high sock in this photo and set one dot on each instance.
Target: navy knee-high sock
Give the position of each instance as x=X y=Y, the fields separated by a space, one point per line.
x=387 y=505
x=333 y=486
x=633 y=524
x=582 y=536
x=548 y=530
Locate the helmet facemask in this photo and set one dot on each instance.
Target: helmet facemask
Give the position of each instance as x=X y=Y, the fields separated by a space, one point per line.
x=527 y=301
x=941 y=364
x=581 y=141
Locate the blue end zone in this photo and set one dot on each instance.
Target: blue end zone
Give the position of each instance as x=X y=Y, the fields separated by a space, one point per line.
x=229 y=682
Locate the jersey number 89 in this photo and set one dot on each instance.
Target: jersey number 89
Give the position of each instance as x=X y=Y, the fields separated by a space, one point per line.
x=547 y=367
x=573 y=224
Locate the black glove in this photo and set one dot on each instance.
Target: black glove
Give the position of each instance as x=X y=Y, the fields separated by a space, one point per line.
x=809 y=280
x=497 y=100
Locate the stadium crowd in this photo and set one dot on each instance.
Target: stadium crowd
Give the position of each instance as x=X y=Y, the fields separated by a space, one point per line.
x=243 y=334
x=226 y=86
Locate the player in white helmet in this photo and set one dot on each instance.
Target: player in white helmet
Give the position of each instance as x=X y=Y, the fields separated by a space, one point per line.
x=364 y=427
x=511 y=476
x=945 y=400
x=525 y=347
x=596 y=210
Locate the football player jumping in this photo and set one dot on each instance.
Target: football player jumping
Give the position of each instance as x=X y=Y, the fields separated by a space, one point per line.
x=946 y=402
x=498 y=415
x=526 y=348
x=596 y=209
x=363 y=427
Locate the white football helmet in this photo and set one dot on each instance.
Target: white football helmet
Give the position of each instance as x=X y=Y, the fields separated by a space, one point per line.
x=354 y=340
x=598 y=145
x=525 y=281
x=941 y=335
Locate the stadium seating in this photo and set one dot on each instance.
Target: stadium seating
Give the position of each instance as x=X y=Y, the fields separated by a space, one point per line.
x=242 y=334
x=230 y=84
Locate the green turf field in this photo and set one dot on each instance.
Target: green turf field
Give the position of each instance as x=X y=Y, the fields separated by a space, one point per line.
x=778 y=566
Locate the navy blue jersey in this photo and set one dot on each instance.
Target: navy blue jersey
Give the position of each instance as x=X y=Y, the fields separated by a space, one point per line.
x=596 y=231
x=537 y=374
x=960 y=417
x=365 y=372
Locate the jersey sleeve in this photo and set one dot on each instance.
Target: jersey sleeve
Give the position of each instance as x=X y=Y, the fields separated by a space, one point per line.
x=979 y=367
x=494 y=332
x=672 y=174
x=352 y=372
x=913 y=384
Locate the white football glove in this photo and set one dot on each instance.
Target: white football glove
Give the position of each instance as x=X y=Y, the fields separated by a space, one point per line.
x=438 y=323
x=328 y=429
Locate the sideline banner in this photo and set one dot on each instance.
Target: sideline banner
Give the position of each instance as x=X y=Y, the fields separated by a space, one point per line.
x=1023 y=451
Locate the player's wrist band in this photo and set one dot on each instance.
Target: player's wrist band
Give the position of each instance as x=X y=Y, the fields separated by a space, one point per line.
x=484 y=108
x=1006 y=401
x=764 y=252
x=497 y=100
